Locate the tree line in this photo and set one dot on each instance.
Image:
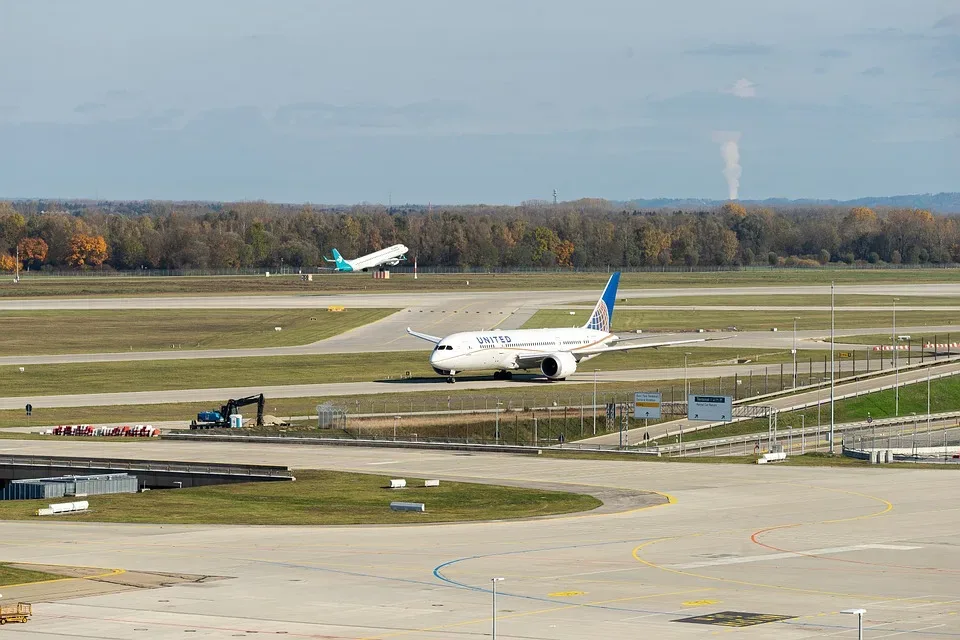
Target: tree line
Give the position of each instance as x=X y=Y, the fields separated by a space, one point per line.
x=580 y=234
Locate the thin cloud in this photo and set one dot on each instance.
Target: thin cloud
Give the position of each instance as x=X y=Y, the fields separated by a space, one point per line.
x=742 y=88
x=746 y=49
x=948 y=73
x=951 y=21
x=873 y=71
x=834 y=53
x=89 y=107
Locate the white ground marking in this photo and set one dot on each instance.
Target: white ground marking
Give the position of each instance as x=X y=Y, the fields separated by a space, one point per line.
x=793 y=554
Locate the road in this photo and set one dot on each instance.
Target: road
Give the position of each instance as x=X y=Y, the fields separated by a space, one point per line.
x=803 y=543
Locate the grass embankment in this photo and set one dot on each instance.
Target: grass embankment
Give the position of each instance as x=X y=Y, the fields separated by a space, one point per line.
x=629 y=319
x=160 y=375
x=54 y=332
x=316 y=498
x=41 y=286
x=789 y=300
x=944 y=396
x=11 y=575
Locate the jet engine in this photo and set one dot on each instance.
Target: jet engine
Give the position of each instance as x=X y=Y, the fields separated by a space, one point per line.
x=557 y=366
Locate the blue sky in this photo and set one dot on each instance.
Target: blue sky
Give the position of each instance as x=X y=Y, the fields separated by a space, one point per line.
x=496 y=102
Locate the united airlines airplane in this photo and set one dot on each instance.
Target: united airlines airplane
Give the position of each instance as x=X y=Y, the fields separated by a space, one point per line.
x=391 y=256
x=555 y=352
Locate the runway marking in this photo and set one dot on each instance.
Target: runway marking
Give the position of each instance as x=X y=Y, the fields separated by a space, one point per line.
x=755 y=537
x=383 y=462
x=888 y=506
x=566 y=594
x=790 y=554
x=699 y=603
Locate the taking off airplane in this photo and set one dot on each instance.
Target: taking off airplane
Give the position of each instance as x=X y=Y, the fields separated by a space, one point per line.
x=391 y=256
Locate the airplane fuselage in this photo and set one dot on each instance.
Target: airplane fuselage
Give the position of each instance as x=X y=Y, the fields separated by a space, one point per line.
x=511 y=350
x=391 y=256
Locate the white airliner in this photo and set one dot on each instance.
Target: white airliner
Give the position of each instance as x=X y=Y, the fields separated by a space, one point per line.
x=391 y=256
x=556 y=352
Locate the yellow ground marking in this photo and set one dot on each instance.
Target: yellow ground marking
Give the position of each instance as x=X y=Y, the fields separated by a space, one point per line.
x=699 y=603
x=523 y=614
x=566 y=594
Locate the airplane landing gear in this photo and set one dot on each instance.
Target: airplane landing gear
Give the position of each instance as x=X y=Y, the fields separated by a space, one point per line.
x=503 y=375
x=451 y=380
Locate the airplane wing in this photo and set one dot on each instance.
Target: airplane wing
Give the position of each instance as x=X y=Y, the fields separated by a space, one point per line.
x=423 y=336
x=626 y=347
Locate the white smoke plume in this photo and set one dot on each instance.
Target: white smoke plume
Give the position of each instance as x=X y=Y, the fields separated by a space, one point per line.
x=729 y=142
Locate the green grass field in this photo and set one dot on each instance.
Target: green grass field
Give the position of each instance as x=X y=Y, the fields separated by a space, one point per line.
x=630 y=319
x=51 y=332
x=944 y=396
x=316 y=498
x=789 y=300
x=10 y=575
x=38 y=285
x=158 y=375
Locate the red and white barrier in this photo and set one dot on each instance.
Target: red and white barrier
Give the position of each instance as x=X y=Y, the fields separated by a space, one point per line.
x=138 y=431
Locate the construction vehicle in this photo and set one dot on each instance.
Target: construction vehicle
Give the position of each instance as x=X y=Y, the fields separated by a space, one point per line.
x=221 y=419
x=19 y=612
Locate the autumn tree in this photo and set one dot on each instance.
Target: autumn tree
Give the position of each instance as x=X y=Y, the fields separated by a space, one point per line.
x=7 y=262
x=33 y=251
x=87 y=251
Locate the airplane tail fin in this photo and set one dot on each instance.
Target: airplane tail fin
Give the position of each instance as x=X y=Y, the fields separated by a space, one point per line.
x=602 y=317
x=342 y=264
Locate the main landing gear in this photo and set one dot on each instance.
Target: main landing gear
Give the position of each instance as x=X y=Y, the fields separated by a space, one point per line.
x=451 y=380
x=503 y=375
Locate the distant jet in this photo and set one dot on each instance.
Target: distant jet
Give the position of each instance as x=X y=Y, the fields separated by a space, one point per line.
x=555 y=352
x=391 y=256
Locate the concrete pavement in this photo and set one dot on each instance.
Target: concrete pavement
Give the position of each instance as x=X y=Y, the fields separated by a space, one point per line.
x=801 y=543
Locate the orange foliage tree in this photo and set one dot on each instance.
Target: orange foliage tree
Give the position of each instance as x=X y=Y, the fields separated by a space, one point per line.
x=87 y=250
x=7 y=262
x=33 y=251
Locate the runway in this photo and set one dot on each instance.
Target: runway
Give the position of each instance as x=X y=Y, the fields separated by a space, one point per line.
x=801 y=543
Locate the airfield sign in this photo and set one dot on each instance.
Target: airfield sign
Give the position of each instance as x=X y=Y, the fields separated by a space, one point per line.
x=709 y=408
x=646 y=405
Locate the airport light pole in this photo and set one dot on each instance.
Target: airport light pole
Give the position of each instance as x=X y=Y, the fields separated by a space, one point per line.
x=896 y=368
x=795 y=352
x=832 y=360
x=494 y=581
x=396 y=419
x=595 y=401
x=686 y=387
x=859 y=613
x=497 y=437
